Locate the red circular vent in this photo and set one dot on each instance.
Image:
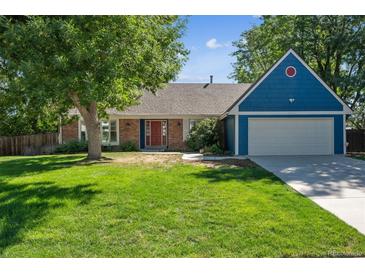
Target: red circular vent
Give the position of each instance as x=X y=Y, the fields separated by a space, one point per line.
x=290 y=71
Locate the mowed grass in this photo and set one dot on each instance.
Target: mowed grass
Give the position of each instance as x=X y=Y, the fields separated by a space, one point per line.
x=61 y=206
x=359 y=156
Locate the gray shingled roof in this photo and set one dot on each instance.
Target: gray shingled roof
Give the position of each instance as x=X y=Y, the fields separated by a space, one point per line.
x=187 y=99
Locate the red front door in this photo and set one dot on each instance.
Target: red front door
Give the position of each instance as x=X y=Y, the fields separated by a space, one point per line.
x=156 y=136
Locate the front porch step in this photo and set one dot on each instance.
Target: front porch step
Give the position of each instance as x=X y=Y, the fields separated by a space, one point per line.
x=201 y=157
x=162 y=149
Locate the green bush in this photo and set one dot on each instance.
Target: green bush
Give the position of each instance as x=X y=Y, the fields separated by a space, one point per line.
x=107 y=148
x=73 y=146
x=216 y=149
x=206 y=133
x=129 y=146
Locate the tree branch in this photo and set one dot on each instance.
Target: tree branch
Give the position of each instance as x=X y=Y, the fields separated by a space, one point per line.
x=76 y=100
x=357 y=97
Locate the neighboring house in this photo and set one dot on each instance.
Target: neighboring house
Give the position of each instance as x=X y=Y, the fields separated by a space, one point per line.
x=288 y=111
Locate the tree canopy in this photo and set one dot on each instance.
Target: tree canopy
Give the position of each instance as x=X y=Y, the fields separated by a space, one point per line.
x=89 y=62
x=332 y=45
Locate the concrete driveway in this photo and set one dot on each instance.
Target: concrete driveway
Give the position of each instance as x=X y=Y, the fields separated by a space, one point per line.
x=336 y=183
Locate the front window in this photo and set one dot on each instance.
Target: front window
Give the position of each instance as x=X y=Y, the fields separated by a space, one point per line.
x=113 y=131
x=105 y=132
x=83 y=136
x=193 y=123
x=108 y=131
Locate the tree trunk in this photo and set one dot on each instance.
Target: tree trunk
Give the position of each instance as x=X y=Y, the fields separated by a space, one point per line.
x=94 y=139
x=92 y=125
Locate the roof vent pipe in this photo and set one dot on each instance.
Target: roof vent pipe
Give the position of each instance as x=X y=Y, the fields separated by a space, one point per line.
x=211 y=79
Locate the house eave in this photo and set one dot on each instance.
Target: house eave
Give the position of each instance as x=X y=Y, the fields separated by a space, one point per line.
x=288 y=113
x=157 y=115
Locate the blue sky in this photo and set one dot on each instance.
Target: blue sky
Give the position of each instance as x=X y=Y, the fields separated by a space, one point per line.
x=209 y=39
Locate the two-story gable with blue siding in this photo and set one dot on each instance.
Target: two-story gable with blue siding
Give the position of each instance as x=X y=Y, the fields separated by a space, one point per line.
x=288 y=111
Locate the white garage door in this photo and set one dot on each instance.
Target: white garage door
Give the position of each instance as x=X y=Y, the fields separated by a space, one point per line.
x=290 y=136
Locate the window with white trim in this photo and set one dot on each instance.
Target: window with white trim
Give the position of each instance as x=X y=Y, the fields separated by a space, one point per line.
x=104 y=132
x=113 y=131
x=193 y=123
x=83 y=134
x=108 y=131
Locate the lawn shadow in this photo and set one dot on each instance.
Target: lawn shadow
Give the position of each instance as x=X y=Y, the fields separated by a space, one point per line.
x=18 y=166
x=24 y=206
x=225 y=173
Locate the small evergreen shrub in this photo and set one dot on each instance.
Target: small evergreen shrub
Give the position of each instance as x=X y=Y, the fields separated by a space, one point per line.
x=106 y=148
x=73 y=146
x=216 y=149
x=204 y=134
x=129 y=146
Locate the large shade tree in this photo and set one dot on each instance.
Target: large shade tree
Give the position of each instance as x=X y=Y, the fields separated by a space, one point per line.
x=334 y=46
x=21 y=113
x=89 y=62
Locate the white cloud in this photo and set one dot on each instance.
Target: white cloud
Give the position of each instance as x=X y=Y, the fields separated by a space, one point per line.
x=213 y=44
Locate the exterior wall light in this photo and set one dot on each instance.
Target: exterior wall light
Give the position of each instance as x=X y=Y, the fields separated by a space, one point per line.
x=291 y=100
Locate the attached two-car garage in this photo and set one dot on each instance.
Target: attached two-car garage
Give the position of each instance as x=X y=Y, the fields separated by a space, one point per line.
x=291 y=136
x=290 y=110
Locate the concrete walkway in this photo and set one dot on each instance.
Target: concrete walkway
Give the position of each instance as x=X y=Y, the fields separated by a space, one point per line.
x=201 y=157
x=336 y=183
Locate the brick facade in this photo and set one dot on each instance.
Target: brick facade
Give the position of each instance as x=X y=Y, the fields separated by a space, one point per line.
x=129 y=131
x=175 y=134
x=70 y=132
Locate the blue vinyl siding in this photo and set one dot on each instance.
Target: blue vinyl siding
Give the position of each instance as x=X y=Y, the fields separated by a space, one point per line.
x=243 y=130
x=243 y=135
x=274 y=91
x=141 y=133
x=229 y=133
x=338 y=134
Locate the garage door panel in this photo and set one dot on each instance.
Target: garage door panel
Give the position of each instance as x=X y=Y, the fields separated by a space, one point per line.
x=290 y=136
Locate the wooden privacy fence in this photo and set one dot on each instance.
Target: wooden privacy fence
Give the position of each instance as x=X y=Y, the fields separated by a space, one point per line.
x=47 y=142
x=28 y=144
x=356 y=140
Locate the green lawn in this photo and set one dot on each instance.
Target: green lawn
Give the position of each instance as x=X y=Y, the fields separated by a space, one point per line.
x=360 y=157
x=60 y=206
x=357 y=155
